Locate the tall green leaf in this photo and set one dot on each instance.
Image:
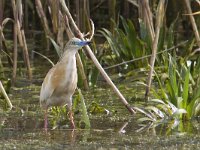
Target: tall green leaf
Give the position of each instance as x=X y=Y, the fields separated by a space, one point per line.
x=85 y=121
x=186 y=88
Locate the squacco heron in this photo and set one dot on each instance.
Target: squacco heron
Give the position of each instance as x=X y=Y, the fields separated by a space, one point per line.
x=61 y=81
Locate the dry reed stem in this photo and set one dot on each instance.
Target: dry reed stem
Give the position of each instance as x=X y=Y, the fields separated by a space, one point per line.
x=146 y=15
x=15 y=14
x=67 y=27
x=1 y=38
x=22 y=41
x=26 y=56
x=22 y=38
x=195 y=13
x=92 y=31
x=135 y=3
x=78 y=58
x=82 y=72
x=92 y=56
x=192 y=20
x=4 y=47
x=159 y=21
x=60 y=31
x=43 y=18
x=5 y=96
x=54 y=11
x=79 y=62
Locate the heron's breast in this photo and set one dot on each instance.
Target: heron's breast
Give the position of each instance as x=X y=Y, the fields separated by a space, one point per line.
x=65 y=79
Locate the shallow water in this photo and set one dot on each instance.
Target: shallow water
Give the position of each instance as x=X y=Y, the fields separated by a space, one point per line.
x=26 y=132
x=22 y=127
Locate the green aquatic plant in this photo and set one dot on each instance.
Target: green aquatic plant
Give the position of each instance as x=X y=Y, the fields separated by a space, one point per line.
x=175 y=95
x=157 y=112
x=132 y=48
x=85 y=121
x=179 y=88
x=95 y=108
x=58 y=115
x=125 y=43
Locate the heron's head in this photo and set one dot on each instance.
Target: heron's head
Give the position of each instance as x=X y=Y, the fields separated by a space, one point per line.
x=75 y=44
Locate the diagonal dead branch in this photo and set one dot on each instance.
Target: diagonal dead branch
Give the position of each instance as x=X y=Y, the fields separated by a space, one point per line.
x=78 y=58
x=94 y=59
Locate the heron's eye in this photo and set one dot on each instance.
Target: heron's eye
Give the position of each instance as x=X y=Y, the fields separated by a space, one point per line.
x=74 y=43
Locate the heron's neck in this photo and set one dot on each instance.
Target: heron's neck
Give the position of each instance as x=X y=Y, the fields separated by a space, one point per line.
x=68 y=56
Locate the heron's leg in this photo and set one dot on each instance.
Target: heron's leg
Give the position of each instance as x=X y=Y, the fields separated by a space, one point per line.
x=71 y=117
x=45 y=119
x=70 y=113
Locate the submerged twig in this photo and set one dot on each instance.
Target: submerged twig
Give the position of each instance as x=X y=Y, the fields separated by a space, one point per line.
x=122 y=129
x=92 y=56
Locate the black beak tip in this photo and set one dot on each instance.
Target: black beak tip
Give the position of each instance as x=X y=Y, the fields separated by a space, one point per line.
x=89 y=42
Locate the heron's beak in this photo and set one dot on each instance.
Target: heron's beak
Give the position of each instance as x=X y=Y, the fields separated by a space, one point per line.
x=83 y=43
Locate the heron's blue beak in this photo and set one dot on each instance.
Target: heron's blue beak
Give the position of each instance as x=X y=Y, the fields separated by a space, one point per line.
x=83 y=43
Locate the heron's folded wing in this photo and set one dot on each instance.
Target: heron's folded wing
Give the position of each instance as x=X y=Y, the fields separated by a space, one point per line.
x=47 y=89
